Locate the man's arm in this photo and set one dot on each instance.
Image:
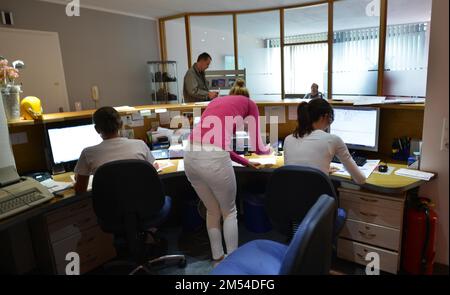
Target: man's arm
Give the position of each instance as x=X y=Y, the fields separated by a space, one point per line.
x=81 y=183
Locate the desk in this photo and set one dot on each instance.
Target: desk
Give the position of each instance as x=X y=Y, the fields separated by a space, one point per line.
x=69 y=221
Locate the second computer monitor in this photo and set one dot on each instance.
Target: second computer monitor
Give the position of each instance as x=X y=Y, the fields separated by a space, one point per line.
x=358 y=127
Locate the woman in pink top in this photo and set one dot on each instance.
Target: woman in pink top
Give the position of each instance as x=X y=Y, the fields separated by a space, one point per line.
x=208 y=162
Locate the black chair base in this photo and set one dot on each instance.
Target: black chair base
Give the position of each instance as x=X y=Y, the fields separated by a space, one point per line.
x=147 y=267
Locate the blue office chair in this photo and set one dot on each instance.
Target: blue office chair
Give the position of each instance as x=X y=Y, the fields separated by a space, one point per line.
x=128 y=200
x=292 y=191
x=309 y=252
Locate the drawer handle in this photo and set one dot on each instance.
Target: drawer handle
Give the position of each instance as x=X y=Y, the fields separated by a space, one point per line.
x=367 y=235
x=368 y=200
x=368 y=214
x=361 y=256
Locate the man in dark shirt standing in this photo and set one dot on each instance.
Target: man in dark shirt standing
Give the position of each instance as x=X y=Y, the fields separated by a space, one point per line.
x=314 y=92
x=195 y=86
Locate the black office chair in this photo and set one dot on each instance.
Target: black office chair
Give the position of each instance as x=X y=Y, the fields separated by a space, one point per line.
x=128 y=200
x=292 y=191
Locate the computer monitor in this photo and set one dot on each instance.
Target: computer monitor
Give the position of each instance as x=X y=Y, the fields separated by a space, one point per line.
x=358 y=127
x=66 y=142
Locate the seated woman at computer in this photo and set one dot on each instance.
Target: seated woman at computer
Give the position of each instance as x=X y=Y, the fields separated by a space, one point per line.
x=310 y=145
x=208 y=164
x=314 y=92
x=113 y=147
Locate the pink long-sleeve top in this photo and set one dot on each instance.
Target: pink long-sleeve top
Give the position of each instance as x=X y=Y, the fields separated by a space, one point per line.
x=230 y=109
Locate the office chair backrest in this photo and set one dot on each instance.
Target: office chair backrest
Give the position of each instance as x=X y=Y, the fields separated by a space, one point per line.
x=309 y=252
x=292 y=191
x=126 y=188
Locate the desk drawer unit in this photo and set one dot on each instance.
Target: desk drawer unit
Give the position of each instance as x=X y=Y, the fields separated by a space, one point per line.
x=374 y=224
x=74 y=228
x=356 y=252
x=93 y=246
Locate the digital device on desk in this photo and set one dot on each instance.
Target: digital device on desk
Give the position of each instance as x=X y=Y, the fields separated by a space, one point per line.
x=160 y=154
x=358 y=128
x=66 y=141
x=21 y=195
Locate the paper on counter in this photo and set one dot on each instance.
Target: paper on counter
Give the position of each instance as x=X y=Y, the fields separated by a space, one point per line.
x=164 y=118
x=366 y=170
x=164 y=164
x=277 y=111
x=416 y=174
x=292 y=113
x=180 y=165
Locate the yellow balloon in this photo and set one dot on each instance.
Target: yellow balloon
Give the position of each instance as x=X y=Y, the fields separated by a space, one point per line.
x=31 y=108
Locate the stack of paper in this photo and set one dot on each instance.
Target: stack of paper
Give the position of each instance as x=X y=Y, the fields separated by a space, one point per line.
x=369 y=100
x=367 y=169
x=414 y=174
x=56 y=186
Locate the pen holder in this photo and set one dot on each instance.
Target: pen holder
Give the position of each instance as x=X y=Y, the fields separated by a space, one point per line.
x=401 y=149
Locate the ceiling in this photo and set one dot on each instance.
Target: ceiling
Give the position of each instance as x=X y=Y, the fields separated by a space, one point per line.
x=348 y=14
x=159 y=8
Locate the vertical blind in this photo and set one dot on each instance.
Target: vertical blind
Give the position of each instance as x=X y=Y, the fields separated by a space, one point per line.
x=354 y=51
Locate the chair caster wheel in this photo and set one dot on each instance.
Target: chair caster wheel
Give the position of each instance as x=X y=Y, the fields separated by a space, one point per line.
x=182 y=263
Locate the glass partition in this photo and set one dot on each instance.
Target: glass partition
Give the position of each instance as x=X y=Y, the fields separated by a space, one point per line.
x=355 y=47
x=259 y=53
x=407 y=42
x=214 y=35
x=176 y=48
x=306 y=49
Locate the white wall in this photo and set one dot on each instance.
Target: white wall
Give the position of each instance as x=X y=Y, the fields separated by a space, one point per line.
x=434 y=159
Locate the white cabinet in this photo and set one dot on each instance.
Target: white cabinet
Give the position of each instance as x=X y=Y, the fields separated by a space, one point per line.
x=374 y=224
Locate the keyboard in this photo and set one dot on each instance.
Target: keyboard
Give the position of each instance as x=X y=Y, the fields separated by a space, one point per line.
x=22 y=196
x=360 y=161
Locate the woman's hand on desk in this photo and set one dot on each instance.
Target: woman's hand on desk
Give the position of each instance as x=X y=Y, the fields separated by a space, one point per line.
x=254 y=165
x=333 y=169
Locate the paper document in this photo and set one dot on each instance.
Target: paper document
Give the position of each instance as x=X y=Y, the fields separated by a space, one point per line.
x=366 y=170
x=89 y=188
x=414 y=174
x=180 y=165
x=292 y=113
x=369 y=100
x=125 y=109
x=237 y=164
x=56 y=186
x=265 y=160
x=278 y=111
x=164 y=164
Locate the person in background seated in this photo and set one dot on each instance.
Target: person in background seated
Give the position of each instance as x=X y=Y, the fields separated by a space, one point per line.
x=208 y=163
x=310 y=145
x=113 y=147
x=314 y=92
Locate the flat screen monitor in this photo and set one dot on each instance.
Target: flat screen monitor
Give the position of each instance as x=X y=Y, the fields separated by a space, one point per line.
x=358 y=127
x=67 y=142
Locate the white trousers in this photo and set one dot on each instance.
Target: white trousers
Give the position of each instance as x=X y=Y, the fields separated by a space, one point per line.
x=212 y=177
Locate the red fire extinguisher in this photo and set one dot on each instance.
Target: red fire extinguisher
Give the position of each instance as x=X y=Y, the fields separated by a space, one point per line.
x=419 y=237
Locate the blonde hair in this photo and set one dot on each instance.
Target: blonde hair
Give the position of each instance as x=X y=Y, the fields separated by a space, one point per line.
x=239 y=88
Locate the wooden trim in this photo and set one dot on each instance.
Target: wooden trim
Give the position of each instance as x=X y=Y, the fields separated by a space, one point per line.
x=212 y=13
x=382 y=46
x=235 y=42
x=175 y=16
x=330 y=47
x=282 y=51
x=306 y=43
x=162 y=40
x=187 y=26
